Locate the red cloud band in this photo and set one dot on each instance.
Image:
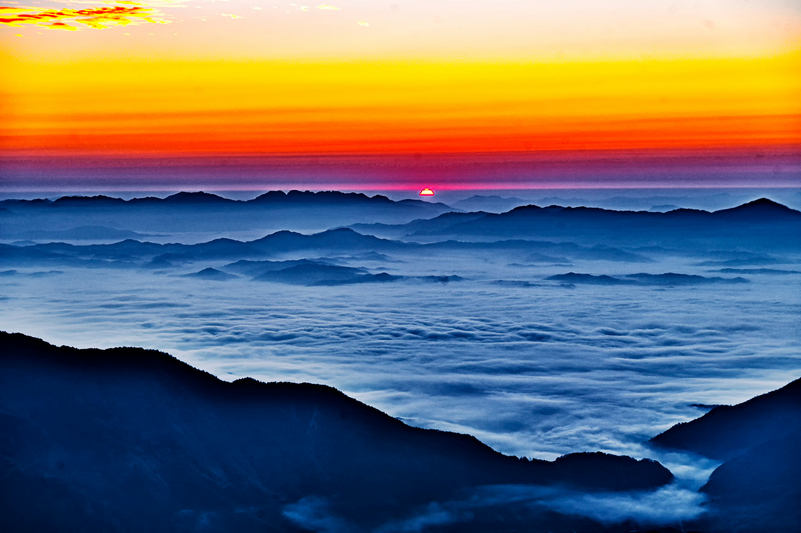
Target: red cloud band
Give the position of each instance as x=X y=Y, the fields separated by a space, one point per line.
x=93 y=17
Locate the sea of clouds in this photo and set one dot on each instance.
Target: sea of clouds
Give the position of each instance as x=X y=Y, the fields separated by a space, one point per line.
x=535 y=369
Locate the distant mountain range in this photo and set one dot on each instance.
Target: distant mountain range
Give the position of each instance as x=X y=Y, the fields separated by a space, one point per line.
x=195 y=199
x=134 y=440
x=761 y=224
x=195 y=212
x=131 y=252
x=761 y=233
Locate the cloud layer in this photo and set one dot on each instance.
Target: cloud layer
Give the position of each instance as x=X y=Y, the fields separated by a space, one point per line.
x=532 y=368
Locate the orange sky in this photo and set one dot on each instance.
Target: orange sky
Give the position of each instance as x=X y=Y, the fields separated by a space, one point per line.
x=98 y=94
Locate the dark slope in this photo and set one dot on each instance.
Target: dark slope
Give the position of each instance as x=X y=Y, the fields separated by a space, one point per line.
x=757 y=488
x=759 y=491
x=134 y=440
x=728 y=431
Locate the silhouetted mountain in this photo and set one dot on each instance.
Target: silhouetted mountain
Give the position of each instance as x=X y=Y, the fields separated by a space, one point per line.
x=342 y=239
x=211 y=274
x=759 y=210
x=756 y=271
x=256 y=268
x=195 y=212
x=339 y=240
x=673 y=279
x=194 y=198
x=338 y=199
x=159 y=262
x=82 y=202
x=40 y=274
x=333 y=242
x=437 y=279
x=668 y=279
x=419 y=226
x=589 y=279
x=760 y=224
x=320 y=272
x=726 y=432
x=756 y=489
x=272 y=197
x=40 y=202
x=134 y=440
x=313 y=274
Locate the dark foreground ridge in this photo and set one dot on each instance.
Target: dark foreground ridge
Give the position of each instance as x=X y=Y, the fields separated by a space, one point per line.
x=757 y=487
x=128 y=439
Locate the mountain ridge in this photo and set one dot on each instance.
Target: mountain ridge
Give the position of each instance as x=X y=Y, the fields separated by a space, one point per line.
x=129 y=438
x=756 y=487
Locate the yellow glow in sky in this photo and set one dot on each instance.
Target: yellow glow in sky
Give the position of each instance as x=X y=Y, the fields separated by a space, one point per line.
x=244 y=77
x=262 y=107
x=498 y=30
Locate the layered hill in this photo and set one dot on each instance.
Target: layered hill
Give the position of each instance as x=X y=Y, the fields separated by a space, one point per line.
x=79 y=217
x=339 y=241
x=761 y=224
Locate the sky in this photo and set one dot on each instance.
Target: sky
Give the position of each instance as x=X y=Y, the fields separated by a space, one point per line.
x=177 y=94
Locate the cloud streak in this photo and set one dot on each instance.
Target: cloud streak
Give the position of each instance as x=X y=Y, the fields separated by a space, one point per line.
x=97 y=18
x=668 y=505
